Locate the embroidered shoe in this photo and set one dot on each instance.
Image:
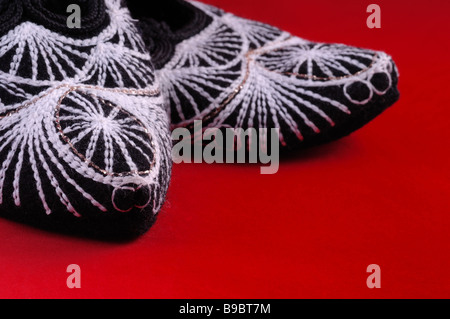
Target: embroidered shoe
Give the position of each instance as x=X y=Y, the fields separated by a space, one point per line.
x=84 y=140
x=231 y=72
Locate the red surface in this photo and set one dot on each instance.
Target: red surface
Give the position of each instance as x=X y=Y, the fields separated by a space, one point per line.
x=380 y=196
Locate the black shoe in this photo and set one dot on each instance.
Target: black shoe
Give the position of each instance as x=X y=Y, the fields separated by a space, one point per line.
x=232 y=72
x=84 y=139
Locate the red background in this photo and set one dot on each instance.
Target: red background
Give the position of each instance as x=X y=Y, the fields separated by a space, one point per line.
x=379 y=196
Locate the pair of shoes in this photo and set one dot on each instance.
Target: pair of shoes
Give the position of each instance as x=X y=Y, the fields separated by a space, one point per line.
x=85 y=113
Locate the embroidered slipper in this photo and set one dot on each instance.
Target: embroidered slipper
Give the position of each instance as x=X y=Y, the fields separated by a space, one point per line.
x=84 y=140
x=231 y=72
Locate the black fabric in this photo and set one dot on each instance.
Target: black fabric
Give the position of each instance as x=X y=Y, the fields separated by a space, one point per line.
x=10 y=14
x=165 y=24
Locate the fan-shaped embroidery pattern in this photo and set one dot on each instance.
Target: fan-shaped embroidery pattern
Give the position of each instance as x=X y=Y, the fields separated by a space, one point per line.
x=102 y=134
x=111 y=65
x=316 y=61
x=200 y=69
x=33 y=52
